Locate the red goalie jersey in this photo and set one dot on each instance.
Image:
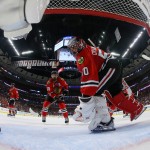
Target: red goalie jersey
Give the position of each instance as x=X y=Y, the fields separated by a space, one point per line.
x=98 y=59
x=54 y=88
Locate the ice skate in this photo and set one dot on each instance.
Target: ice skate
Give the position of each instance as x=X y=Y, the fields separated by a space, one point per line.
x=103 y=127
x=8 y=115
x=43 y=119
x=66 y=120
x=126 y=115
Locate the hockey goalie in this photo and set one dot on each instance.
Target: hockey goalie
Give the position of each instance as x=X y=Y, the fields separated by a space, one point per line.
x=101 y=73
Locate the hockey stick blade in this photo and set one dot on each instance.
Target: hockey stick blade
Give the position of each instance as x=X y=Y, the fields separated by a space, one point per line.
x=145 y=57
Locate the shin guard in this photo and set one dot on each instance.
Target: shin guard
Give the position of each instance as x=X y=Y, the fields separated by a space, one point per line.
x=62 y=106
x=46 y=104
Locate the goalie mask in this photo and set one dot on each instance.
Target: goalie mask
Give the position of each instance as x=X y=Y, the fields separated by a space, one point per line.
x=76 y=45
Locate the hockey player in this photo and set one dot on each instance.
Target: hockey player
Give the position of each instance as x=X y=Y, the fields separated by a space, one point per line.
x=13 y=96
x=100 y=73
x=56 y=89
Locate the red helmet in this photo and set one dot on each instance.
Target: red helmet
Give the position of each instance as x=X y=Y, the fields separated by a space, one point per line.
x=76 y=45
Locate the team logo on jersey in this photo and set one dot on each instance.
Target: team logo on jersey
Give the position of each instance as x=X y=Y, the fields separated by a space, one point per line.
x=80 y=60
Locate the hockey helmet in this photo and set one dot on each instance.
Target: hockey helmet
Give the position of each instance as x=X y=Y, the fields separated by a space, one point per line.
x=54 y=74
x=76 y=45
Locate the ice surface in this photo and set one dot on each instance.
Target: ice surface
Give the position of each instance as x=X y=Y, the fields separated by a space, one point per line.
x=29 y=133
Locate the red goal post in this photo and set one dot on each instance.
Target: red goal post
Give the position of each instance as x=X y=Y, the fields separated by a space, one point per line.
x=132 y=11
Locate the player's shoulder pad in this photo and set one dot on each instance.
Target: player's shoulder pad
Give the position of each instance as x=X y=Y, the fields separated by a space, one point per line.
x=62 y=79
x=49 y=81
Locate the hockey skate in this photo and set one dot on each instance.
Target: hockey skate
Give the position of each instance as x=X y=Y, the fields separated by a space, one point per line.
x=103 y=127
x=126 y=116
x=43 y=119
x=11 y=115
x=66 y=120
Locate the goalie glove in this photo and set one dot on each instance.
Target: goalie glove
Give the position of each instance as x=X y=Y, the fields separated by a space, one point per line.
x=22 y=13
x=85 y=112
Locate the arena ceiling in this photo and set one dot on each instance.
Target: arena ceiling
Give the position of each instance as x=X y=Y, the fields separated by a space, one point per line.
x=108 y=34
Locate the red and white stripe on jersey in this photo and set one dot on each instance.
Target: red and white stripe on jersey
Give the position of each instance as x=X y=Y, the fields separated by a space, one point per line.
x=108 y=75
x=89 y=83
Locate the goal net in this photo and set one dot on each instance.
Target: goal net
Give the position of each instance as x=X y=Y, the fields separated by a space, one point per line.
x=132 y=11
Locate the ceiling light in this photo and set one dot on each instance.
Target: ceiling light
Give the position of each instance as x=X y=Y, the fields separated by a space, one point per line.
x=132 y=44
x=12 y=44
x=115 y=54
x=125 y=52
x=26 y=52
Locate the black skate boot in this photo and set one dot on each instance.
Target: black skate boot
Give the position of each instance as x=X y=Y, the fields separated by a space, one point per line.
x=43 y=119
x=8 y=115
x=103 y=127
x=67 y=120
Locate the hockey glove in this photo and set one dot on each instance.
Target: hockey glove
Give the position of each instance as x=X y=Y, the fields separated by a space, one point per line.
x=65 y=92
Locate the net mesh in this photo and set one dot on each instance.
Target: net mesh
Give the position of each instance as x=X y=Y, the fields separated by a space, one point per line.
x=126 y=8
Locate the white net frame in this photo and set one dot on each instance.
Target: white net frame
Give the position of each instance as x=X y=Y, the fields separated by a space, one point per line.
x=132 y=11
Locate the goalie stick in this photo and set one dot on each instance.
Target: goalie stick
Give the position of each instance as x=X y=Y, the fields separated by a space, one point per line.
x=145 y=57
x=32 y=112
x=91 y=42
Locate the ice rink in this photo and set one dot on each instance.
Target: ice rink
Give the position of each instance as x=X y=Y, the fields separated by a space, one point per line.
x=29 y=133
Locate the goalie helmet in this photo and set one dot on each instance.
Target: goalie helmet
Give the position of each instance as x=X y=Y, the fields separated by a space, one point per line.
x=76 y=45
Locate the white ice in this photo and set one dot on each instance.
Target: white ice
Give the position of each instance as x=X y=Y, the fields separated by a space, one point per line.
x=29 y=133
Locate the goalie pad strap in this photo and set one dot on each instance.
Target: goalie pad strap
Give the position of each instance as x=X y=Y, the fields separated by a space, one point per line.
x=127 y=104
x=85 y=99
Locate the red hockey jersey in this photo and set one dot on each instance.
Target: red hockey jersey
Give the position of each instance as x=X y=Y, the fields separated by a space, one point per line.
x=54 y=88
x=89 y=62
x=13 y=93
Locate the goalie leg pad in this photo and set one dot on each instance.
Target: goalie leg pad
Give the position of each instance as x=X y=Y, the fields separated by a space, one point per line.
x=85 y=112
x=127 y=104
x=102 y=114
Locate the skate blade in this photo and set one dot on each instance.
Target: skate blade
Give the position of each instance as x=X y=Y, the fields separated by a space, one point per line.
x=104 y=130
x=140 y=113
x=10 y=116
x=67 y=123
